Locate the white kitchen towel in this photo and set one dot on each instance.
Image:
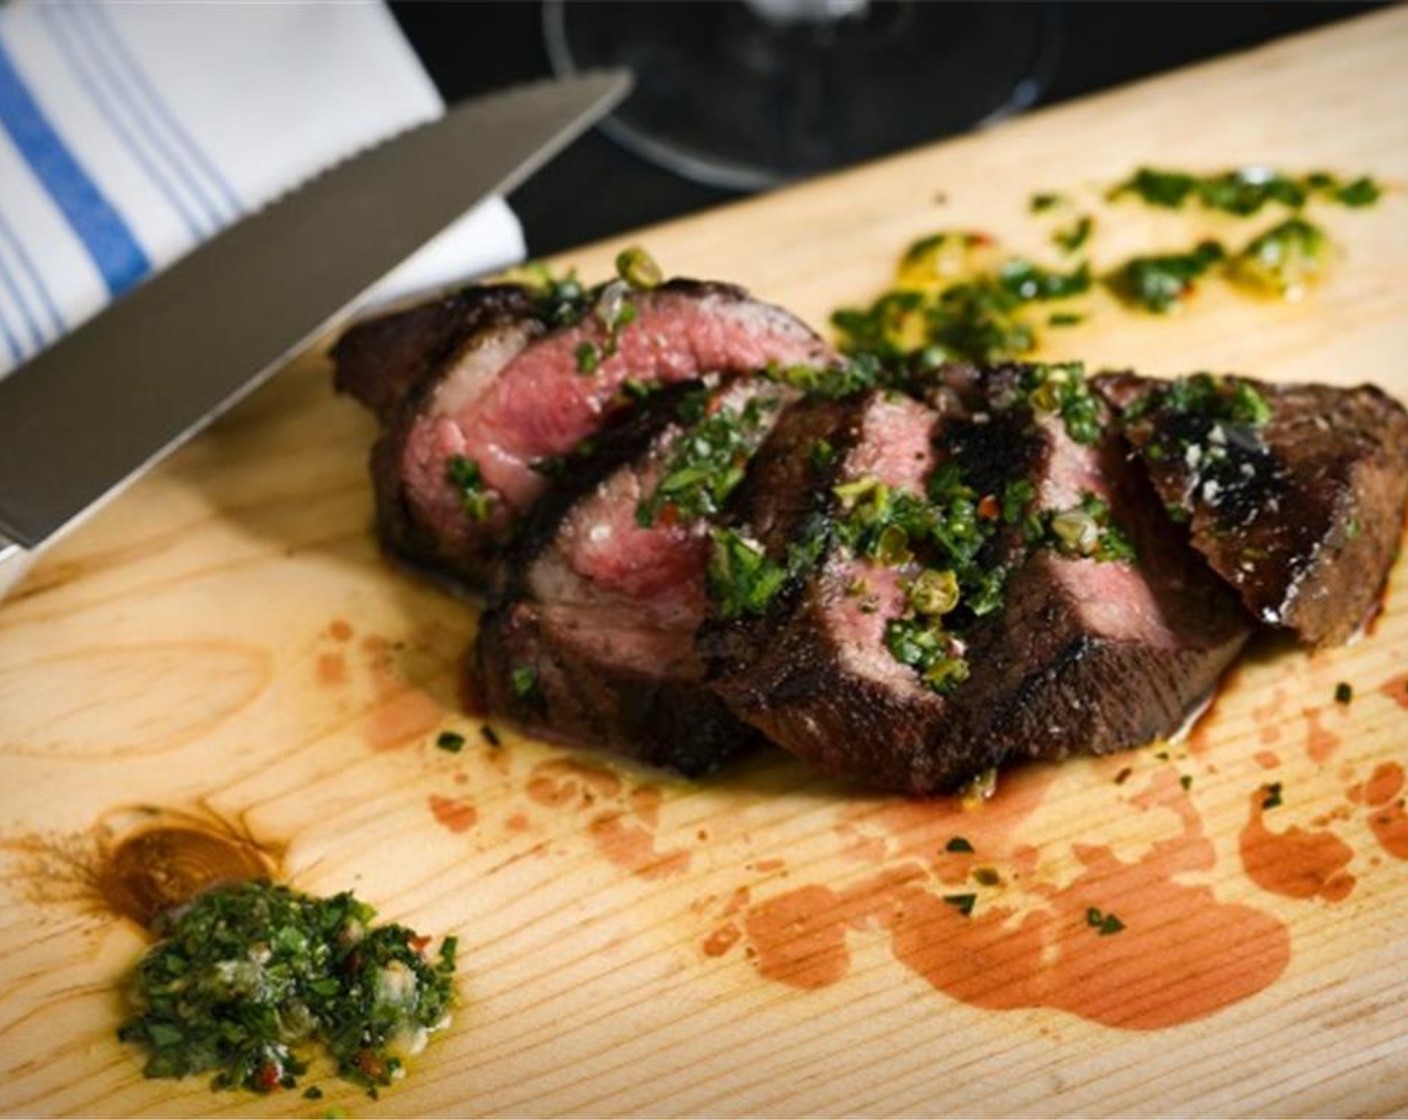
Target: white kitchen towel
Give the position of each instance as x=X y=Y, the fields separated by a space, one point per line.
x=131 y=131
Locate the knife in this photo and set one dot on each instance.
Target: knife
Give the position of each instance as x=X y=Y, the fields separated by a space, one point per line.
x=110 y=399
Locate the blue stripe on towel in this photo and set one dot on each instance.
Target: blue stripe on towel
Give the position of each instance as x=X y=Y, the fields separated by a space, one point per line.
x=107 y=98
x=105 y=236
x=11 y=285
x=12 y=344
x=57 y=323
x=126 y=60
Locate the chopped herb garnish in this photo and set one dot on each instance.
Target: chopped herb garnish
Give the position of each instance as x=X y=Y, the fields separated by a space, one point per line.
x=1245 y=191
x=451 y=741
x=638 y=268
x=1104 y=924
x=958 y=844
x=475 y=498
x=1044 y=201
x=312 y=1093
x=1070 y=238
x=523 y=681
x=931 y=652
x=1186 y=781
x=1062 y=389
x=1161 y=283
x=1344 y=692
x=1087 y=530
x=706 y=463
x=822 y=454
x=249 y=976
x=1285 y=260
x=963 y=903
x=588 y=357
x=1272 y=795
x=986 y=877
x=1028 y=282
x=742 y=579
x=1064 y=319
x=489 y=735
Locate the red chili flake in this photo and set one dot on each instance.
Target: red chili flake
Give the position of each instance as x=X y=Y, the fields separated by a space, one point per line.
x=419 y=944
x=370 y=1064
x=989 y=508
x=669 y=516
x=266 y=1077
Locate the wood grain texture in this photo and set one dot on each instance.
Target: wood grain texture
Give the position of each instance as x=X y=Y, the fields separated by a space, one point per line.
x=225 y=642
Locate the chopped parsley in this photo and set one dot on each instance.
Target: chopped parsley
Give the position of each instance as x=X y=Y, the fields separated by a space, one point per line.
x=707 y=462
x=958 y=844
x=1104 y=924
x=1271 y=795
x=475 y=498
x=963 y=903
x=744 y=581
x=490 y=736
x=1245 y=191
x=1161 y=283
x=1070 y=239
x=1344 y=693
x=523 y=681
x=986 y=877
x=1039 y=203
x=588 y=356
x=248 y=977
x=1062 y=389
x=1186 y=781
x=451 y=741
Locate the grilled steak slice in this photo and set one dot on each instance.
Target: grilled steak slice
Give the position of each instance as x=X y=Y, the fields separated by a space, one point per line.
x=1295 y=494
x=861 y=667
x=462 y=458
x=595 y=645
x=380 y=360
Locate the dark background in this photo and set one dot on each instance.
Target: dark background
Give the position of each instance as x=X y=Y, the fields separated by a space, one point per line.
x=472 y=47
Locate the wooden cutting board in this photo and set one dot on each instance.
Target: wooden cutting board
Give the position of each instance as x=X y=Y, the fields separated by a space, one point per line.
x=224 y=649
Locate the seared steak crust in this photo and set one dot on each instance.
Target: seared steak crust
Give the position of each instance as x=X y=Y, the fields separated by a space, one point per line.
x=1301 y=513
x=502 y=390
x=1082 y=656
x=594 y=641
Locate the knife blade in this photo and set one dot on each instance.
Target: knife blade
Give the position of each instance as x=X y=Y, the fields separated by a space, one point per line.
x=117 y=394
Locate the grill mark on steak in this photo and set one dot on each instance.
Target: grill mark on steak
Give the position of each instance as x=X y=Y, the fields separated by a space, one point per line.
x=1083 y=655
x=507 y=393
x=1302 y=515
x=605 y=612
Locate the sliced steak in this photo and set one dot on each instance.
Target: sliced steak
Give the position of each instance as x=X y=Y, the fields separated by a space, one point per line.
x=595 y=643
x=1295 y=494
x=1067 y=654
x=380 y=360
x=463 y=457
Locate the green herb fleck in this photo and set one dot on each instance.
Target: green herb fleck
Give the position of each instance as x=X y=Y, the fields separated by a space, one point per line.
x=1064 y=319
x=1087 y=530
x=1344 y=692
x=706 y=463
x=958 y=844
x=963 y=903
x=1271 y=795
x=1045 y=201
x=986 y=877
x=1070 y=238
x=1062 y=389
x=451 y=741
x=249 y=976
x=312 y=1093
x=588 y=357
x=489 y=735
x=1104 y=924
x=1161 y=283
x=523 y=681
x=1186 y=781
x=475 y=498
